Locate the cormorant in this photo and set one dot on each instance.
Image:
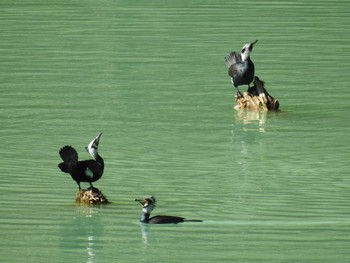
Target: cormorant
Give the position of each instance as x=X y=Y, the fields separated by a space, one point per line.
x=82 y=171
x=241 y=67
x=148 y=205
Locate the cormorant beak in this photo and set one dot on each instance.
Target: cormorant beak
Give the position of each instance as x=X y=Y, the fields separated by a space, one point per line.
x=97 y=139
x=251 y=45
x=141 y=201
x=147 y=201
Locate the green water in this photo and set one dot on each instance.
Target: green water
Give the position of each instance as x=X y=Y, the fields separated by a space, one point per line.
x=150 y=74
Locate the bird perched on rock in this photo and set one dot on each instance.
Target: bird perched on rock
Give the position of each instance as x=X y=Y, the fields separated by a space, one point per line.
x=241 y=67
x=82 y=171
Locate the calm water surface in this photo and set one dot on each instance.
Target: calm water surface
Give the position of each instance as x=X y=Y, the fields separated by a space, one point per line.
x=270 y=187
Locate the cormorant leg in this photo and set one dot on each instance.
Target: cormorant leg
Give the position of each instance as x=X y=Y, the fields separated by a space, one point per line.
x=92 y=188
x=239 y=94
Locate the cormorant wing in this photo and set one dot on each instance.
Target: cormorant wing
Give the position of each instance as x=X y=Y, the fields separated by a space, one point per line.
x=234 y=64
x=68 y=154
x=160 y=219
x=236 y=70
x=233 y=58
x=63 y=167
x=70 y=158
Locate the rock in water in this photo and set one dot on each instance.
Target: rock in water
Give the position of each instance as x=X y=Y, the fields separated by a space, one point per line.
x=91 y=197
x=257 y=98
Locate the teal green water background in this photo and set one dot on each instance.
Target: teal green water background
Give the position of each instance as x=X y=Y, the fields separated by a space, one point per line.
x=270 y=187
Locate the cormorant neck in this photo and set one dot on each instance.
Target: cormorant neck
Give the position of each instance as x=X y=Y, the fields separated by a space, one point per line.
x=144 y=217
x=98 y=158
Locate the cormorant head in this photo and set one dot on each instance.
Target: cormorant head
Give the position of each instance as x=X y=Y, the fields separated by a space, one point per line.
x=246 y=50
x=92 y=148
x=148 y=204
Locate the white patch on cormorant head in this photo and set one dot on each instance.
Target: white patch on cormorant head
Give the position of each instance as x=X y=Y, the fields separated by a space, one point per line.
x=245 y=52
x=149 y=204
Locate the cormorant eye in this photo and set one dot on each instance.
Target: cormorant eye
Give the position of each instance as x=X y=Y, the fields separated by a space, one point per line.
x=243 y=50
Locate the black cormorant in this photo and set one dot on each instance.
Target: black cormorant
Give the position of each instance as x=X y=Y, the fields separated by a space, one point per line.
x=83 y=171
x=241 y=67
x=148 y=205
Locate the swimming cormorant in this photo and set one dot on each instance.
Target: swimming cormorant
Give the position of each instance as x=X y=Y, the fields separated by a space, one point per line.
x=148 y=205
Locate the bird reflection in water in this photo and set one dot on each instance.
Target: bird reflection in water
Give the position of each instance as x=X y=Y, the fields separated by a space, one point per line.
x=90 y=249
x=252 y=120
x=145 y=234
x=81 y=235
x=92 y=229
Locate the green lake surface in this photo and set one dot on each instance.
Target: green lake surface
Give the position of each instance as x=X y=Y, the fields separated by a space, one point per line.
x=270 y=187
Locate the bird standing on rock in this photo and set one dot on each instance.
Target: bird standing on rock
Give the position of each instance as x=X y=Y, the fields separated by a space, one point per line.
x=82 y=171
x=241 y=67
